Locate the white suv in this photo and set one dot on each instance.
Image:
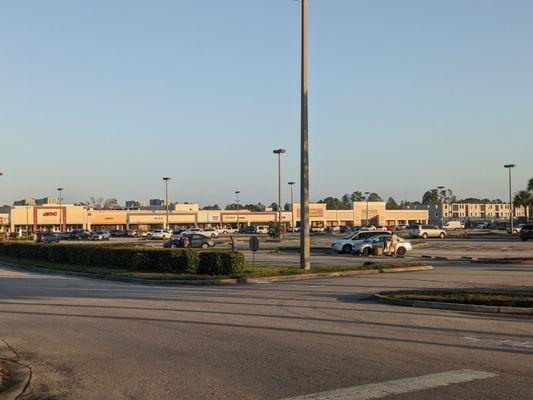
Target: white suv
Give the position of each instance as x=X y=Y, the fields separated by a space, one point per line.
x=426 y=231
x=160 y=234
x=348 y=242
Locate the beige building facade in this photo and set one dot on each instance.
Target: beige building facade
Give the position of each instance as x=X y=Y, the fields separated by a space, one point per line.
x=24 y=220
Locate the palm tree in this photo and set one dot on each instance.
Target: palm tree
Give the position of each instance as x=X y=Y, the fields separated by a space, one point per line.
x=530 y=185
x=523 y=199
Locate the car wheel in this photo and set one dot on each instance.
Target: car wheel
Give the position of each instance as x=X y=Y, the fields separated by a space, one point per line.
x=173 y=246
x=213 y=235
x=442 y=236
x=366 y=251
x=205 y=245
x=347 y=249
x=425 y=236
x=401 y=251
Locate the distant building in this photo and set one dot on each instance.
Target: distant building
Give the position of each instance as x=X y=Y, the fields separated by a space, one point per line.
x=24 y=202
x=134 y=204
x=468 y=211
x=46 y=201
x=157 y=202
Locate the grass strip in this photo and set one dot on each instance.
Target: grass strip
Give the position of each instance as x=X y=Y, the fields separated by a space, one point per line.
x=249 y=271
x=467 y=297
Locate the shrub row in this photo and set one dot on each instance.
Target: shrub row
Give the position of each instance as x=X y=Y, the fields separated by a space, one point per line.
x=131 y=258
x=220 y=263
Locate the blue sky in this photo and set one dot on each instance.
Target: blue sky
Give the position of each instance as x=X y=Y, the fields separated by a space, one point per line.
x=106 y=97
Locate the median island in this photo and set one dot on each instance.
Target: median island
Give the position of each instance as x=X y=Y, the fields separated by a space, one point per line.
x=168 y=265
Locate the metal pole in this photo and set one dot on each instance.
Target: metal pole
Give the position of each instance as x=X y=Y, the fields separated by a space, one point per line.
x=305 y=243
x=60 y=210
x=511 y=222
x=440 y=190
x=166 y=179
x=237 y=193
x=292 y=211
x=367 y=198
x=279 y=189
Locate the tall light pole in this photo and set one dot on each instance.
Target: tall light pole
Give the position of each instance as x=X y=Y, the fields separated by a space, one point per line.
x=166 y=179
x=279 y=152
x=237 y=194
x=60 y=190
x=305 y=242
x=291 y=184
x=440 y=192
x=510 y=167
x=367 y=198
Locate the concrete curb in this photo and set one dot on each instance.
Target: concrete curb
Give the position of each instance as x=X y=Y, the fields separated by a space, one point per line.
x=383 y=298
x=213 y=282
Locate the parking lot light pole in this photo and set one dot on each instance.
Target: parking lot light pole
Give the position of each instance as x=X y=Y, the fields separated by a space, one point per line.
x=279 y=152
x=237 y=194
x=60 y=190
x=510 y=167
x=166 y=179
x=305 y=240
x=440 y=191
x=367 y=198
x=291 y=184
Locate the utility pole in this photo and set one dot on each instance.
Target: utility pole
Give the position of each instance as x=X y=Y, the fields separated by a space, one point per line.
x=60 y=190
x=237 y=193
x=367 y=198
x=511 y=222
x=441 y=193
x=305 y=243
x=166 y=179
x=291 y=184
x=279 y=152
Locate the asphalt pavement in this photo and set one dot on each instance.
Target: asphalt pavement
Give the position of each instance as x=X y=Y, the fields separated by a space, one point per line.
x=94 y=339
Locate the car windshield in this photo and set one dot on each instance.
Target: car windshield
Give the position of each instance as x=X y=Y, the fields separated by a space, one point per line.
x=351 y=235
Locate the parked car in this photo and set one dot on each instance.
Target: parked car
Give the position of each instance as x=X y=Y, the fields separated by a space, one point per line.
x=196 y=241
x=345 y=229
x=81 y=234
x=426 y=231
x=226 y=231
x=160 y=234
x=452 y=225
x=516 y=228
x=123 y=233
x=48 y=237
x=209 y=232
x=317 y=229
x=334 y=228
x=346 y=244
x=366 y=247
x=65 y=235
x=247 y=230
x=100 y=235
x=483 y=225
x=526 y=232
x=261 y=229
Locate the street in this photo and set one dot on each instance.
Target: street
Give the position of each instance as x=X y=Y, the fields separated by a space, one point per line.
x=95 y=339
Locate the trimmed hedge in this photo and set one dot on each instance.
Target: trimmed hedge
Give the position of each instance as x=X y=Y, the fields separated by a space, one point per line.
x=131 y=258
x=220 y=263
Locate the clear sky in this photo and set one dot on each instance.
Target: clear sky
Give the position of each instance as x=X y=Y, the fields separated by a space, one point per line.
x=106 y=97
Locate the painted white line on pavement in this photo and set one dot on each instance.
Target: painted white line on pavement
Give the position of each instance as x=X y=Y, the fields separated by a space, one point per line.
x=398 y=386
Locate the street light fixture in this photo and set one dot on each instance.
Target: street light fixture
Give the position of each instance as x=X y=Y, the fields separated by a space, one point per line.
x=279 y=152
x=166 y=179
x=367 y=198
x=511 y=211
x=237 y=194
x=291 y=184
x=60 y=190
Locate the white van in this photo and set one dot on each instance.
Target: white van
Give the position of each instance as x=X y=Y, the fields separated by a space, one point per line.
x=454 y=225
x=261 y=229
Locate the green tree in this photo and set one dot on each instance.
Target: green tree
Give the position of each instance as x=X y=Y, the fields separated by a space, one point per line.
x=232 y=206
x=436 y=196
x=374 y=197
x=530 y=185
x=357 y=196
x=213 y=207
x=274 y=206
x=333 y=203
x=287 y=207
x=523 y=199
x=255 y=207
x=392 y=205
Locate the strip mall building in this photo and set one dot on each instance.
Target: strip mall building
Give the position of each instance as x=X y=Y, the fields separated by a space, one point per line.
x=52 y=217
